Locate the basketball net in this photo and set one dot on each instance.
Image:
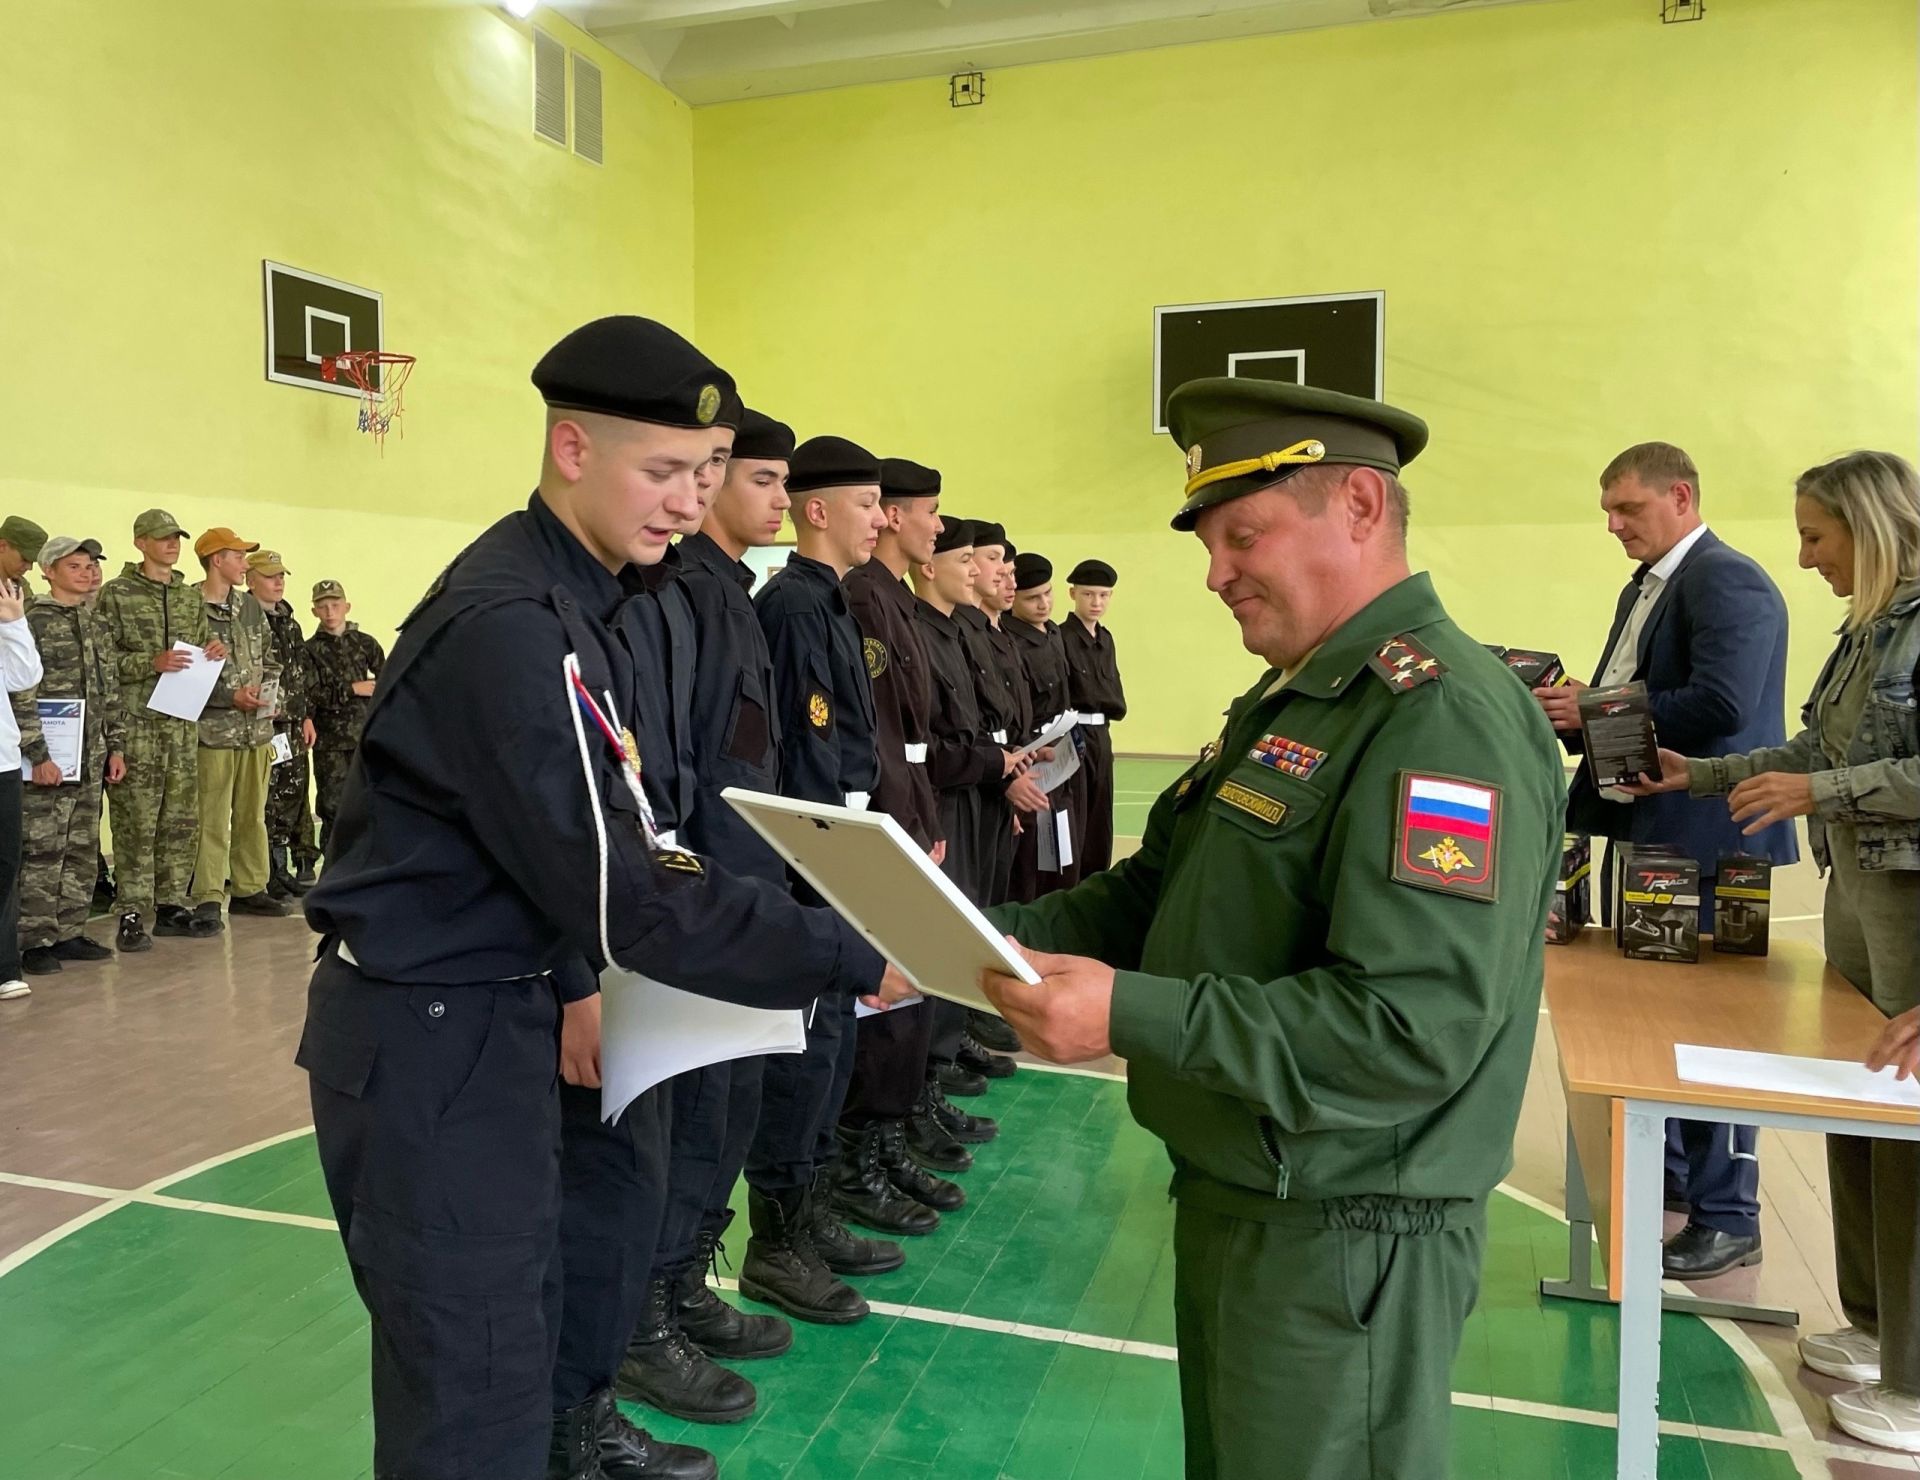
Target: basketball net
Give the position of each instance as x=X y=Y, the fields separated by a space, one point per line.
x=381 y=379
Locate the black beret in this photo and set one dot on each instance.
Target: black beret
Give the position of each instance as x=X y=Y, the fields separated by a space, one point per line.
x=831 y=462
x=1093 y=573
x=955 y=534
x=634 y=368
x=986 y=533
x=902 y=479
x=732 y=411
x=1031 y=571
x=761 y=437
x=1009 y=553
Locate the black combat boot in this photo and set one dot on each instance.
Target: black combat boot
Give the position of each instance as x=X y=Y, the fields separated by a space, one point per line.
x=975 y=1059
x=972 y=1129
x=628 y=1452
x=716 y=1327
x=841 y=1249
x=931 y=1145
x=993 y=1032
x=923 y=1187
x=279 y=874
x=572 y=1453
x=666 y=1371
x=958 y=1080
x=863 y=1194
x=784 y=1269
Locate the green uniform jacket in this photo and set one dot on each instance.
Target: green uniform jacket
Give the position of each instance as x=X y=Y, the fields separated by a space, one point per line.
x=296 y=672
x=75 y=664
x=1297 y=1022
x=241 y=623
x=139 y=619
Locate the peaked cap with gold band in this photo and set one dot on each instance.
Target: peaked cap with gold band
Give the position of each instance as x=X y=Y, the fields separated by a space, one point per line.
x=1244 y=435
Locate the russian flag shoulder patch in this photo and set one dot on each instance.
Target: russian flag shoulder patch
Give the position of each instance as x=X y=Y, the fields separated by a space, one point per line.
x=1446 y=835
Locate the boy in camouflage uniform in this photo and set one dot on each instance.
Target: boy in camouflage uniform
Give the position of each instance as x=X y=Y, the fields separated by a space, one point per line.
x=60 y=821
x=291 y=853
x=345 y=663
x=142 y=613
x=236 y=739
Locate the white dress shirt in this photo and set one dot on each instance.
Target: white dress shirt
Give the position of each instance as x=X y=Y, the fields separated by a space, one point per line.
x=19 y=669
x=1624 y=659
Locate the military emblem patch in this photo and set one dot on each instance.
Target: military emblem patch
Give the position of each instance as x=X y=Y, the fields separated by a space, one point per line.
x=680 y=861
x=1287 y=755
x=709 y=405
x=819 y=712
x=1403 y=664
x=876 y=654
x=1253 y=803
x=1446 y=835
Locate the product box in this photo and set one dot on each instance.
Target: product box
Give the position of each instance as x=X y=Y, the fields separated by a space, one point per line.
x=1535 y=669
x=1573 y=897
x=1659 y=910
x=1742 y=905
x=1617 y=726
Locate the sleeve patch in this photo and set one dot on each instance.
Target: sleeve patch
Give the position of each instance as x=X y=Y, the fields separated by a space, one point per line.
x=819 y=711
x=1446 y=835
x=876 y=655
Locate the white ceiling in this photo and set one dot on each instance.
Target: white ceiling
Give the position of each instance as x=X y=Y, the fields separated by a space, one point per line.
x=711 y=51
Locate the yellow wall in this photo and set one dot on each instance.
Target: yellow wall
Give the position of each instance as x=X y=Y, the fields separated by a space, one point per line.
x=1591 y=229
x=156 y=152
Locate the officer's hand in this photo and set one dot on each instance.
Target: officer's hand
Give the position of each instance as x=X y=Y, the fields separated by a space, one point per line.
x=1773 y=796
x=174 y=661
x=364 y=688
x=1899 y=1046
x=1673 y=776
x=1026 y=796
x=308 y=734
x=1562 y=704
x=44 y=774
x=216 y=651
x=939 y=853
x=894 y=989
x=580 y=1042
x=116 y=769
x=1064 y=1020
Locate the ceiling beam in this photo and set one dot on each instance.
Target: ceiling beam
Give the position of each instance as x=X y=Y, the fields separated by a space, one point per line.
x=635 y=17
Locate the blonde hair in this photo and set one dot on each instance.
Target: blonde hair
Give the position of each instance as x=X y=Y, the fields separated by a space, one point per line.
x=1877 y=496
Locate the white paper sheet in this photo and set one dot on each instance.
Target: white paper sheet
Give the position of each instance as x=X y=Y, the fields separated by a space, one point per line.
x=63 y=725
x=184 y=694
x=1053 y=733
x=282 y=748
x=1051 y=774
x=1831 y=1079
x=650 y=1032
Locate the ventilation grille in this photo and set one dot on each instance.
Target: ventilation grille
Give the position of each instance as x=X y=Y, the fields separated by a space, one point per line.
x=550 y=88
x=587 y=138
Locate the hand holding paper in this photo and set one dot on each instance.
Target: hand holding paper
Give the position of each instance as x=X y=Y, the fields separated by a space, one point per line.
x=1067 y=1018
x=1899 y=1046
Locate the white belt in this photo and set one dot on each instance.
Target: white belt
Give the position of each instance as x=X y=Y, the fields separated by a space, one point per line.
x=340 y=950
x=857 y=801
x=916 y=755
x=1093 y=720
x=999 y=737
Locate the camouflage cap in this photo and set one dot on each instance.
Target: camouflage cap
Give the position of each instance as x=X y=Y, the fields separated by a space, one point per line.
x=24 y=535
x=60 y=546
x=157 y=524
x=328 y=591
x=266 y=563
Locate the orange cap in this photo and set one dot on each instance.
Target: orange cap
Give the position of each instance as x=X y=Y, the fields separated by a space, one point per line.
x=221 y=538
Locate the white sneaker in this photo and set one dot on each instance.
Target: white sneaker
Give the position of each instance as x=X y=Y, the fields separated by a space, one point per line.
x=1878 y=1416
x=10 y=990
x=1848 y=1354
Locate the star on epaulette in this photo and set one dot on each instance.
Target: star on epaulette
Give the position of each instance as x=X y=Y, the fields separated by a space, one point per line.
x=1402 y=664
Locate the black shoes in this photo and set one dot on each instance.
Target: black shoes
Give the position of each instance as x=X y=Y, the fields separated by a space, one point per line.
x=1698 y=1252
x=931 y=1145
x=40 y=961
x=974 y=1130
x=864 y=1193
x=841 y=1249
x=82 y=948
x=716 y=1327
x=784 y=1269
x=132 y=936
x=908 y=1178
x=203 y=924
x=172 y=919
x=975 y=1059
x=596 y=1441
x=956 y=1080
x=666 y=1371
x=264 y=905
x=993 y=1032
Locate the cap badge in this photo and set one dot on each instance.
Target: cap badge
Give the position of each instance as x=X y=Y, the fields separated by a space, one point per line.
x=709 y=404
x=1194 y=460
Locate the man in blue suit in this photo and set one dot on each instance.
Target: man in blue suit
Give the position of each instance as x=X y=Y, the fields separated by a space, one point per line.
x=1705 y=629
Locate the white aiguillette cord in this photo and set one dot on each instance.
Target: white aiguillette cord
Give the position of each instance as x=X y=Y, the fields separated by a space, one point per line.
x=579 y=701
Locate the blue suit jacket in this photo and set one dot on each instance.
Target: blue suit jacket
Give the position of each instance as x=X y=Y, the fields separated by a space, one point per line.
x=1713 y=655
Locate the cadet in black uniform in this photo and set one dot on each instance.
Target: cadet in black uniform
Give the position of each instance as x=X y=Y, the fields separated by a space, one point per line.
x=492 y=853
x=1045 y=658
x=964 y=762
x=890 y=1063
x=1095 y=691
x=799 y=1246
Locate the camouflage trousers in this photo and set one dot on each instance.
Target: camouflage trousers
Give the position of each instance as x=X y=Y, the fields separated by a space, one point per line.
x=330 y=769
x=59 y=859
x=289 y=818
x=156 y=815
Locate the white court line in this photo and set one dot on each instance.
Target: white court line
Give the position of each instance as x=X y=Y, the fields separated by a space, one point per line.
x=120 y=1197
x=1073 y=1069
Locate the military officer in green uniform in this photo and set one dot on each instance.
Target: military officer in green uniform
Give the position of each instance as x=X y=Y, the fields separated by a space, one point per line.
x=1323 y=965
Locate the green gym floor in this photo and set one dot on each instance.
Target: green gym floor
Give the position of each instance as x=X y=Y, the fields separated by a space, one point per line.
x=201 y=1324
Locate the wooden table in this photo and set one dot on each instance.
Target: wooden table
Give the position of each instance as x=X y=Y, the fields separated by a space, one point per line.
x=1616 y=1022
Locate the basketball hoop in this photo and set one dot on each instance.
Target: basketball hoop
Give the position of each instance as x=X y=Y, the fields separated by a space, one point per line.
x=381 y=379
